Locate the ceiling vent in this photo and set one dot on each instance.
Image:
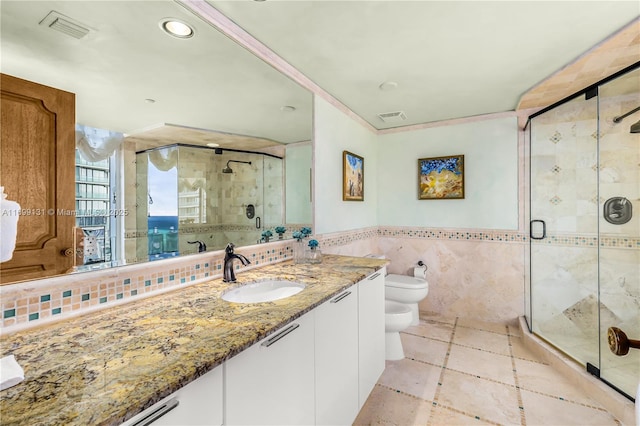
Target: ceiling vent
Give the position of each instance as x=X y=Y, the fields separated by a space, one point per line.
x=64 y=24
x=392 y=117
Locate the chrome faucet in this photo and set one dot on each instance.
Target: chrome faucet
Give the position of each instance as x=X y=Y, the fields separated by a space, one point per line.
x=229 y=275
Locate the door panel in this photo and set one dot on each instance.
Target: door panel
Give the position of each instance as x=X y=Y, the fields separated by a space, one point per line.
x=37 y=166
x=564 y=228
x=619 y=155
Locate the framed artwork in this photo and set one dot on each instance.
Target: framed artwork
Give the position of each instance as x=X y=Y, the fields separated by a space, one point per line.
x=352 y=177
x=441 y=178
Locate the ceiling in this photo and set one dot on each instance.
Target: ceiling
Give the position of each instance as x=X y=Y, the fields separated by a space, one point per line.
x=203 y=84
x=449 y=59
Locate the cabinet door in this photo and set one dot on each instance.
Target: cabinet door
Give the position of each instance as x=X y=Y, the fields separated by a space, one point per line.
x=37 y=165
x=336 y=348
x=272 y=382
x=371 y=332
x=198 y=403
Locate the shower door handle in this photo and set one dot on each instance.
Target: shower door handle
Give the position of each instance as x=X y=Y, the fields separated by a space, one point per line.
x=544 y=229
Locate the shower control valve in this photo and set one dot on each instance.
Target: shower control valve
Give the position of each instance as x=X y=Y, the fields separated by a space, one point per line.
x=617 y=210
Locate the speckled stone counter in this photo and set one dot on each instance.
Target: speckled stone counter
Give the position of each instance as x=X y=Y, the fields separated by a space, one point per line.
x=105 y=367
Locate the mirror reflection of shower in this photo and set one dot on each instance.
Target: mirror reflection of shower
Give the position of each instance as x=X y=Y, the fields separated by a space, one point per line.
x=228 y=169
x=635 y=127
x=206 y=205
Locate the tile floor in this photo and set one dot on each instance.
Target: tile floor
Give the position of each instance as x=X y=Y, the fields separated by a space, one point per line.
x=464 y=372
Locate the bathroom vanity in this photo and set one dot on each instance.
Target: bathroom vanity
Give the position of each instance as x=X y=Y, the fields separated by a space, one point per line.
x=310 y=358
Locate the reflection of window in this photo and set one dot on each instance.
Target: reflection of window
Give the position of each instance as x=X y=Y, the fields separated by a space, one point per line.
x=162 y=189
x=192 y=201
x=93 y=207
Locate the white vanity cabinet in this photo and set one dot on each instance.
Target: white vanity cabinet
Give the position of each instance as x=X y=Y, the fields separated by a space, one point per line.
x=318 y=369
x=371 y=360
x=336 y=359
x=272 y=382
x=197 y=403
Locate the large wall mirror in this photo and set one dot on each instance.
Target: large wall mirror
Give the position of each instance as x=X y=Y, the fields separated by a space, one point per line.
x=185 y=143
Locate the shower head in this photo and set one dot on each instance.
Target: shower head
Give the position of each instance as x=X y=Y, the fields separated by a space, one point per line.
x=228 y=169
x=635 y=128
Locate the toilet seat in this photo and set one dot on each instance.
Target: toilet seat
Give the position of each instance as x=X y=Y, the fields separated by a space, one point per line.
x=405 y=281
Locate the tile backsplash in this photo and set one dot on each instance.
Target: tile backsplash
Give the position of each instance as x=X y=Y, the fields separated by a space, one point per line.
x=31 y=303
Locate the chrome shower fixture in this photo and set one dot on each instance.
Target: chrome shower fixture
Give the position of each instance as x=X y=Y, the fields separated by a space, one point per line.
x=635 y=127
x=228 y=169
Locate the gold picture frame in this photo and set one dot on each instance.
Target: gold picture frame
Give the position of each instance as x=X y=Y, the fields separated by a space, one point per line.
x=352 y=177
x=441 y=178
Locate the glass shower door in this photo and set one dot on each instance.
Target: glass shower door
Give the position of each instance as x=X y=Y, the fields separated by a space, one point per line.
x=564 y=228
x=619 y=183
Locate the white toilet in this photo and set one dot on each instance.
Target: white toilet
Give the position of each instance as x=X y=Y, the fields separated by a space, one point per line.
x=402 y=294
x=397 y=317
x=407 y=290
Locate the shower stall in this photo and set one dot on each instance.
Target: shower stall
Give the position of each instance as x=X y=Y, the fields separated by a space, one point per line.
x=192 y=198
x=584 y=254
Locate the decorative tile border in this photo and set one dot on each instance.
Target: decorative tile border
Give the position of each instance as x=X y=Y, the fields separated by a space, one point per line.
x=29 y=303
x=577 y=240
x=444 y=234
x=574 y=240
x=35 y=302
x=344 y=238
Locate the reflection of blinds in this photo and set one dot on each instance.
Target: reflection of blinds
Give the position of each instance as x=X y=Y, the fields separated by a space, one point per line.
x=164 y=159
x=96 y=144
x=190 y=184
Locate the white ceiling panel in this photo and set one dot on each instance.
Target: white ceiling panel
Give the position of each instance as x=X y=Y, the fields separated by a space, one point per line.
x=450 y=59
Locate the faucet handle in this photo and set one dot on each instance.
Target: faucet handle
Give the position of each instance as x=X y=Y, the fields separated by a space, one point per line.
x=229 y=248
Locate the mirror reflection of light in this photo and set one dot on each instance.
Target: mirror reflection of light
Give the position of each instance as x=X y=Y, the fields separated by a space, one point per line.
x=176 y=28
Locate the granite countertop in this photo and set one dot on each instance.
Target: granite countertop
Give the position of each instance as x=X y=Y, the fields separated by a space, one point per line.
x=103 y=368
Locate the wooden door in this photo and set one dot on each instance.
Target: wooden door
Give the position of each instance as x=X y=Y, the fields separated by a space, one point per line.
x=37 y=163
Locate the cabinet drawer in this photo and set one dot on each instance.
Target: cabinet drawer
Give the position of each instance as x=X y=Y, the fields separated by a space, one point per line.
x=197 y=403
x=272 y=382
x=336 y=353
x=371 y=332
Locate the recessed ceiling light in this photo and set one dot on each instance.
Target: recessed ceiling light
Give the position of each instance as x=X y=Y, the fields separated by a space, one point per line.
x=287 y=108
x=388 y=85
x=176 y=28
x=213 y=144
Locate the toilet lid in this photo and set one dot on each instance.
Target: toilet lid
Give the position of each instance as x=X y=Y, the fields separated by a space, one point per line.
x=404 y=281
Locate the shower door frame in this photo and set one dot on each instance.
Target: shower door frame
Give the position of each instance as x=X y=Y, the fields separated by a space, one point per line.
x=589 y=92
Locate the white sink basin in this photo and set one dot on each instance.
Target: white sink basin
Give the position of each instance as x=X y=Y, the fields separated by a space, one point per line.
x=263 y=291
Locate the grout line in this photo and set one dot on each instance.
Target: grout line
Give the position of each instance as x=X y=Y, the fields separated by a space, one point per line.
x=523 y=420
x=487 y=421
x=472 y=347
x=443 y=369
x=401 y=392
x=425 y=337
x=486 y=331
x=571 y=401
x=513 y=357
